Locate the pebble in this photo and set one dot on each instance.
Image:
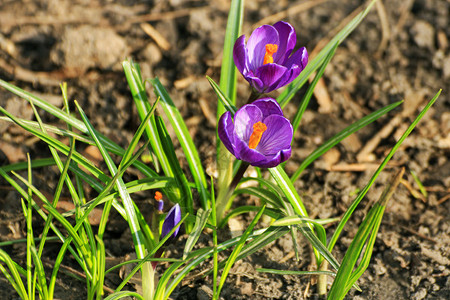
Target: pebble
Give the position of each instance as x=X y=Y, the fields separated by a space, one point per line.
x=423 y=34
x=419 y=295
x=446 y=67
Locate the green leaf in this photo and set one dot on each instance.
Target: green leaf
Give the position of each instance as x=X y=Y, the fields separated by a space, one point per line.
x=133 y=222
x=314 y=64
x=14 y=276
x=234 y=255
x=137 y=136
x=226 y=102
x=200 y=222
x=288 y=189
x=228 y=86
x=72 y=121
x=273 y=213
x=361 y=123
x=309 y=91
x=186 y=142
x=123 y=294
x=150 y=254
x=292 y=272
x=39 y=267
x=228 y=70
x=298 y=220
x=391 y=153
x=369 y=227
x=199 y=256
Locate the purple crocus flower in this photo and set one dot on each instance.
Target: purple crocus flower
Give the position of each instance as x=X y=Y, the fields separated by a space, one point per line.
x=259 y=134
x=266 y=61
x=172 y=219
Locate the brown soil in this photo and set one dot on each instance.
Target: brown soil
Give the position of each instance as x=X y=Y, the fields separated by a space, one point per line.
x=400 y=51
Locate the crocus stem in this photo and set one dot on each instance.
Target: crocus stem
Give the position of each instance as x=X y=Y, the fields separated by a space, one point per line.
x=148 y=281
x=223 y=198
x=253 y=96
x=239 y=174
x=322 y=280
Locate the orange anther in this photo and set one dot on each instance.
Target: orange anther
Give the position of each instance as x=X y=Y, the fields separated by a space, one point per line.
x=271 y=49
x=258 y=130
x=158 y=196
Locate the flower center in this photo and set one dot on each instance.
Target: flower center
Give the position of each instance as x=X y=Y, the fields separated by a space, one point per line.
x=258 y=130
x=271 y=49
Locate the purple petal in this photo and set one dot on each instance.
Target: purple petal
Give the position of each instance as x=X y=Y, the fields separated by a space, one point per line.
x=256 y=45
x=277 y=137
x=240 y=54
x=225 y=131
x=172 y=219
x=244 y=120
x=251 y=156
x=296 y=63
x=285 y=154
x=255 y=82
x=288 y=77
x=270 y=161
x=268 y=106
x=274 y=160
x=159 y=205
x=270 y=75
x=300 y=58
x=288 y=39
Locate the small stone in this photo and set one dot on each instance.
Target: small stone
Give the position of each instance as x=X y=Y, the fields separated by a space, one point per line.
x=152 y=54
x=204 y=293
x=419 y=295
x=246 y=288
x=423 y=34
x=446 y=67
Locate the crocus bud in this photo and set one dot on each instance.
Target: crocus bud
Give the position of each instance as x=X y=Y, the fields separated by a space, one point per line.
x=172 y=219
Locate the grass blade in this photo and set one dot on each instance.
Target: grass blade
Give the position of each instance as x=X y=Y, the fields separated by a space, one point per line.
x=70 y=120
x=200 y=222
x=199 y=256
x=185 y=198
x=226 y=102
x=391 y=153
x=305 y=101
x=292 y=272
x=43 y=291
x=233 y=256
x=137 y=136
x=288 y=189
x=186 y=142
x=228 y=78
x=314 y=64
x=127 y=202
x=14 y=276
x=60 y=147
x=124 y=294
x=369 y=227
x=228 y=70
x=342 y=135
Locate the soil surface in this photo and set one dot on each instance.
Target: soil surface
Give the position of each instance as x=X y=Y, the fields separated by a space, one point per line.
x=400 y=51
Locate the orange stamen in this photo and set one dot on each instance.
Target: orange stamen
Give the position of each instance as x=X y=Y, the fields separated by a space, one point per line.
x=271 y=49
x=158 y=196
x=255 y=138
